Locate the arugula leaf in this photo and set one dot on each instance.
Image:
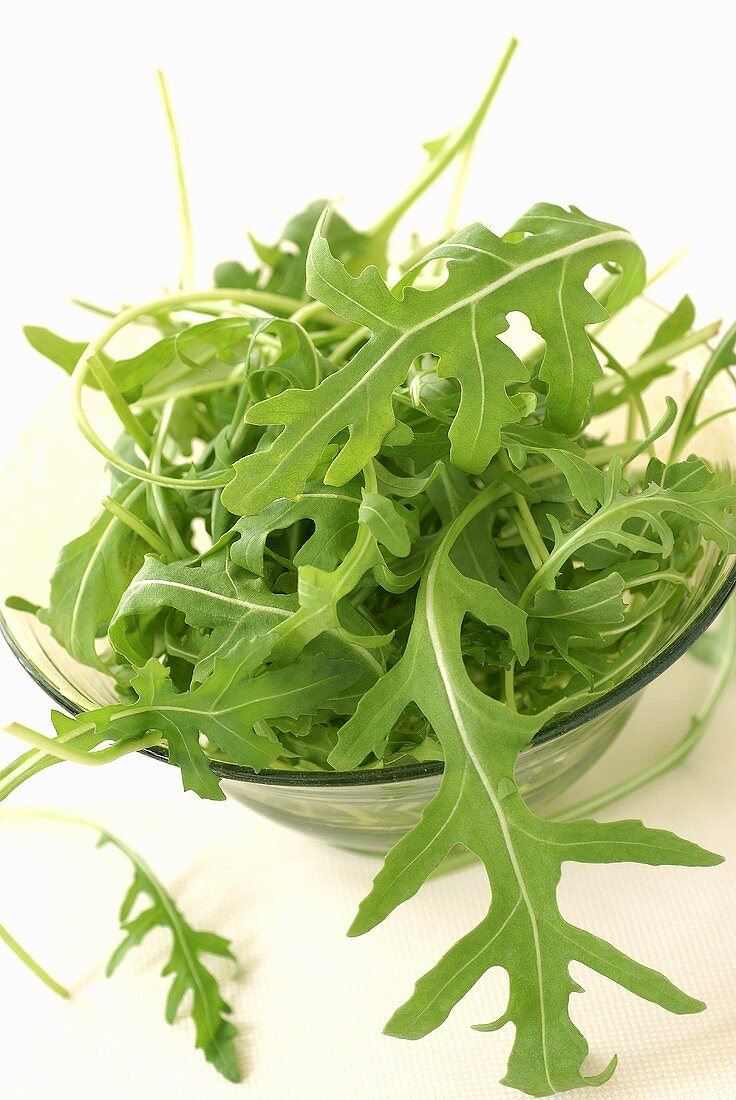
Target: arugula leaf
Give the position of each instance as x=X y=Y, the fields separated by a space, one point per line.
x=479 y=806
x=288 y=259
x=228 y=708
x=332 y=511
x=214 y=1032
x=64 y=353
x=207 y=591
x=460 y=321
x=92 y=573
x=585 y=481
x=385 y=523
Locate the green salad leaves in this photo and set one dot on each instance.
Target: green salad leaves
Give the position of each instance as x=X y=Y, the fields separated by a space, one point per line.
x=355 y=520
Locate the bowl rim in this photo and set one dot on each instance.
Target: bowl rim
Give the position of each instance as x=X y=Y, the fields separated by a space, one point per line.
x=566 y=723
x=553 y=730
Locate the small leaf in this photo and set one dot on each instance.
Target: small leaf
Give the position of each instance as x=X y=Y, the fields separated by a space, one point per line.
x=382 y=519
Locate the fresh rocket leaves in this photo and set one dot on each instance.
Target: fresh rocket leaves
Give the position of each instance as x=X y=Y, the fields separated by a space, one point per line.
x=92 y=575
x=357 y=520
x=148 y=906
x=460 y=322
x=479 y=806
x=192 y=980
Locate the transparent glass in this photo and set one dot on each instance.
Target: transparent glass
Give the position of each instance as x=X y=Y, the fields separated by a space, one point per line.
x=53 y=486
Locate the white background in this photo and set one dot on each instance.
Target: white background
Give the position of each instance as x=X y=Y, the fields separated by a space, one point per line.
x=625 y=110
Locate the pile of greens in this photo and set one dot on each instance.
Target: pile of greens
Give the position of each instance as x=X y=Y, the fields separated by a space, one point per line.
x=353 y=523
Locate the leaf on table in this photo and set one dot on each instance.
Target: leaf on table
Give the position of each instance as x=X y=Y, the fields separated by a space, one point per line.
x=214 y=1031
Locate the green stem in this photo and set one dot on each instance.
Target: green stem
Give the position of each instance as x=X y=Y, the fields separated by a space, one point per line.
x=124 y=414
x=341 y=352
x=307 y=312
x=186 y=271
x=458 y=190
x=667 y=266
x=709 y=420
x=168 y=528
x=636 y=403
x=721 y=358
x=137 y=525
x=526 y=524
x=660 y=356
x=446 y=154
x=28 y=960
x=53 y=747
x=92 y=307
x=24 y=767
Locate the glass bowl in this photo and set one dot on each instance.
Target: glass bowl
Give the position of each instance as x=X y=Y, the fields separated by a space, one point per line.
x=363 y=810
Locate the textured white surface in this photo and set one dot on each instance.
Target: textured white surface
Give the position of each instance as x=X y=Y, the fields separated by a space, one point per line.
x=86 y=207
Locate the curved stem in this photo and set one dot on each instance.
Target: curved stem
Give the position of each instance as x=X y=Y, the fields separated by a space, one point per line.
x=24 y=767
x=341 y=352
x=127 y=418
x=307 y=312
x=258 y=299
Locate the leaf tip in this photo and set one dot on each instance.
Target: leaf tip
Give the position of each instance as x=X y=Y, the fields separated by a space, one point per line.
x=358 y=927
x=494 y=1025
x=605 y=1074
